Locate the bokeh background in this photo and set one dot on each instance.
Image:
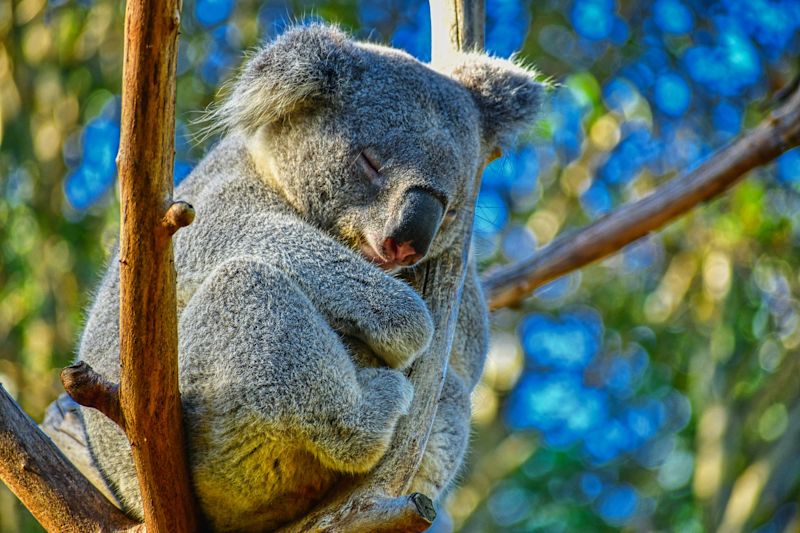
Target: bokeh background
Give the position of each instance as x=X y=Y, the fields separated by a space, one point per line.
x=657 y=390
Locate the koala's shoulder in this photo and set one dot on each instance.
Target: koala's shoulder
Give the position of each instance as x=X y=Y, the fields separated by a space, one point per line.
x=226 y=161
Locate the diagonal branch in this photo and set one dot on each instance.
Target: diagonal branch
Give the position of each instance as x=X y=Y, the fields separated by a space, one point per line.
x=52 y=489
x=509 y=285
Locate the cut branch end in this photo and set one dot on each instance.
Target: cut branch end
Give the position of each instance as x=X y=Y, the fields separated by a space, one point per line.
x=90 y=389
x=424 y=506
x=179 y=215
x=412 y=513
x=364 y=512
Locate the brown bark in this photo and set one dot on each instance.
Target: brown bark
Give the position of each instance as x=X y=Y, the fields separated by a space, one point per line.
x=376 y=503
x=146 y=404
x=90 y=389
x=509 y=285
x=148 y=389
x=54 y=491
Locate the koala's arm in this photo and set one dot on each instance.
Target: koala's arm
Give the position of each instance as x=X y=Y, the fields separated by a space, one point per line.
x=357 y=298
x=450 y=433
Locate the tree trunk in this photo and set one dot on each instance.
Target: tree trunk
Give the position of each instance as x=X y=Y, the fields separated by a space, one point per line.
x=147 y=402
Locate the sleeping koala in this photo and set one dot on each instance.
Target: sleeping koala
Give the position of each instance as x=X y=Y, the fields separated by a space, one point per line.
x=343 y=163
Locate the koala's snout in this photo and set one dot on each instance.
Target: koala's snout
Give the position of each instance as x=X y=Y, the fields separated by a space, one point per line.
x=403 y=253
x=409 y=234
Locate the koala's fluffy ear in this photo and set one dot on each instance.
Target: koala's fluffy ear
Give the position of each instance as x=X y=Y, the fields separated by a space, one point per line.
x=305 y=67
x=508 y=96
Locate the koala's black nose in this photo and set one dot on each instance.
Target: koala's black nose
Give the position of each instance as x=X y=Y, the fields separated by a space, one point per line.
x=409 y=234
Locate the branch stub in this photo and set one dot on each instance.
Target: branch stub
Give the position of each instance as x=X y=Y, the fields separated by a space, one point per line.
x=90 y=389
x=179 y=215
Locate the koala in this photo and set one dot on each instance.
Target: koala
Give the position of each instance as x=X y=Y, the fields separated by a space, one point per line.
x=341 y=164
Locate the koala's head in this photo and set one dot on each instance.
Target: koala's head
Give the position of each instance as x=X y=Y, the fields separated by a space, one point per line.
x=368 y=143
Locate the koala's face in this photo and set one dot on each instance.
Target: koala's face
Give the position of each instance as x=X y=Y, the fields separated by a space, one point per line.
x=370 y=144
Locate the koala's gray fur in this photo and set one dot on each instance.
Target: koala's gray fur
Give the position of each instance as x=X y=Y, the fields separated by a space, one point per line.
x=292 y=345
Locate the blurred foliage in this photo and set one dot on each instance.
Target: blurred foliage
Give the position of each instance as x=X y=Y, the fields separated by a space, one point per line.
x=658 y=390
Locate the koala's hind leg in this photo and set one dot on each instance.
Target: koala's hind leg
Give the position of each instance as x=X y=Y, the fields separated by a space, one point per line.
x=262 y=372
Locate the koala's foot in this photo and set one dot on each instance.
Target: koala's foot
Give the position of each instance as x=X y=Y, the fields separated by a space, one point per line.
x=387 y=396
x=359 y=440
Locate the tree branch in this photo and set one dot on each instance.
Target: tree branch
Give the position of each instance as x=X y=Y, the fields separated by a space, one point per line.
x=149 y=398
x=440 y=281
x=509 y=285
x=146 y=404
x=90 y=389
x=357 y=508
x=50 y=486
x=179 y=215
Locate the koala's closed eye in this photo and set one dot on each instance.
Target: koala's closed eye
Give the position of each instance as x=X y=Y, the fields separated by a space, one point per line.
x=368 y=162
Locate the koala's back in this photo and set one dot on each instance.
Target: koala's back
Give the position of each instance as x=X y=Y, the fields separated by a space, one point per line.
x=235 y=211
x=230 y=202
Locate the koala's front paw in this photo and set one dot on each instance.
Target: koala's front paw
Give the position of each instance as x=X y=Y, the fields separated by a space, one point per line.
x=403 y=330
